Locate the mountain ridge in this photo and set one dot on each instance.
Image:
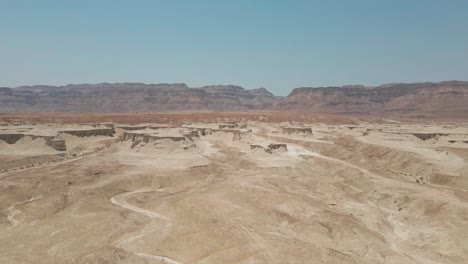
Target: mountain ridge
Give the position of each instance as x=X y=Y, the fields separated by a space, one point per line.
x=424 y=98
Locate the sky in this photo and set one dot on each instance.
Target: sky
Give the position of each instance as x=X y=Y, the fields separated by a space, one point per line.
x=279 y=45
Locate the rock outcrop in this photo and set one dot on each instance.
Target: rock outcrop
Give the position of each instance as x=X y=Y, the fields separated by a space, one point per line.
x=226 y=130
x=427 y=136
x=444 y=99
x=204 y=131
x=454 y=141
x=142 y=127
x=191 y=135
x=275 y=146
x=131 y=128
x=236 y=133
x=11 y=138
x=270 y=148
x=229 y=126
x=448 y=99
x=296 y=130
x=55 y=142
x=146 y=138
x=132 y=97
x=109 y=132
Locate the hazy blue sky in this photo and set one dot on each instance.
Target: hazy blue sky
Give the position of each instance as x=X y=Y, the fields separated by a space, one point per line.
x=279 y=45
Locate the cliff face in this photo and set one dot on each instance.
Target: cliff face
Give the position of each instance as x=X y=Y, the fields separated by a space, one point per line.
x=439 y=99
x=448 y=99
x=131 y=97
x=237 y=98
x=108 y=132
x=52 y=141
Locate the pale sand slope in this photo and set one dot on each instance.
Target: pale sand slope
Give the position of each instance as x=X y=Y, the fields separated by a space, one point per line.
x=336 y=196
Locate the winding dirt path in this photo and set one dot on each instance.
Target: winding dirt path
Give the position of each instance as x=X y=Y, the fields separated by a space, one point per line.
x=121 y=200
x=11 y=212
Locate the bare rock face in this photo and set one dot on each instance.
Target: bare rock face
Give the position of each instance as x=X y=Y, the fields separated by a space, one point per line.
x=444 y=99
x=132 y=97
x=432 y=99
x=146 y=138
x=256 y=146
x=191 y=135
x=91 y=132
x=296 y=130
x=231 y=97
x=55 y=142
x=224 y=126
x=202 y=131
x=427 y=136
x=275 y=146
x=270 y=148
x=133 y=127
x=11 y=138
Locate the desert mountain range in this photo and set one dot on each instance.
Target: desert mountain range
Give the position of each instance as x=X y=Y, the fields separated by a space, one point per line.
x=417 y=99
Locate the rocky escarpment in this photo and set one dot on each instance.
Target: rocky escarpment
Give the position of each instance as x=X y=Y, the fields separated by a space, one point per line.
x=296 y=130
x=132 y=97
x=231 y=97
x=454 y=141
x=432 y=99
x=133 y=127
x=56 y=142
x=237 y=130
x=270 y=148
x=204 y=131
x=147 y=138
x=444 y=99
x=427 y=136
x=109 y=132
x=11 y=138
x=143 y=127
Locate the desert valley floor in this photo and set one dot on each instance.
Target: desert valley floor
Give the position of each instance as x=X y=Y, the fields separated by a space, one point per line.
x=233 y=191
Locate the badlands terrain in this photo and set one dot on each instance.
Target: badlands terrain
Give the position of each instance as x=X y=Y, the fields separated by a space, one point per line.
x=234 y=189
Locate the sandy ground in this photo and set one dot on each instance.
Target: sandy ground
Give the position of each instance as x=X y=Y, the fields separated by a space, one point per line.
x=349 y=193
